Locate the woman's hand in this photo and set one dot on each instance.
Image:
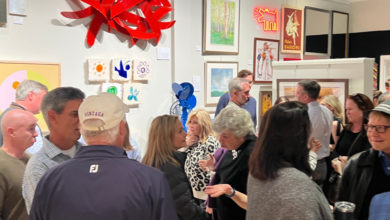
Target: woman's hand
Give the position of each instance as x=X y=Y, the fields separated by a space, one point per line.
x=315 y=145
x=191 y=139
x=218 y=190
x=207 y=165
x=209 y=210
x=338 y=163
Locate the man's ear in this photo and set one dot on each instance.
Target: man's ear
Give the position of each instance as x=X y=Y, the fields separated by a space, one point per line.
x=11 y=132
x=122 y=128
x=52 y=116
x=30 y=96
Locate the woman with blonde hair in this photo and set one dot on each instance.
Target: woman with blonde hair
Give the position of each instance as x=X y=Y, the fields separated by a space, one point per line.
x=333 y=103
x=202 y=143
x=166 y=136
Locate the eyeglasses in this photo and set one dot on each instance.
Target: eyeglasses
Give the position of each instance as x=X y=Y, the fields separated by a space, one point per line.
x=378 y=128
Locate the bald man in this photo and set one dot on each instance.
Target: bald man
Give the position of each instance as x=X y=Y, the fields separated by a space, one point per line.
x=18 y=129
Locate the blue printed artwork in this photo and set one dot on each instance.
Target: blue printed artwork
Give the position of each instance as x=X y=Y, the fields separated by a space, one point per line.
x=121 y=69
x=132 y=93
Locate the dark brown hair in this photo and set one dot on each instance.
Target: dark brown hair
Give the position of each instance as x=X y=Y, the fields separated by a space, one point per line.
x=284 y=133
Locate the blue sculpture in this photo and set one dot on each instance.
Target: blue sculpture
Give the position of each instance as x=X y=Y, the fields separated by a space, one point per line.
x=186 y=101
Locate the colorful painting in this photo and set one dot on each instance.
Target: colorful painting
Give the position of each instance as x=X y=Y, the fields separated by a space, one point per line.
x=132 y=93
x=221 y=26
x=113 y=88
x=99 y=70
x=13 y=73
x=336 y=87
x=265 y=52
x=265 y=103
x=141 y=70
x=121 y=69
x=218 y=76
x=292 y=24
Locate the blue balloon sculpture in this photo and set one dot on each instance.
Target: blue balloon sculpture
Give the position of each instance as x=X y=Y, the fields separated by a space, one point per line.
x=186 y=100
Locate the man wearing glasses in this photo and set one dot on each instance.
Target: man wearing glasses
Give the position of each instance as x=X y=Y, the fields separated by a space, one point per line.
x=367 y=174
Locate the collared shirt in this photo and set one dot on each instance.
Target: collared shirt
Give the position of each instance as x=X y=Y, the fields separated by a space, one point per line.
x=250 y=106
x=385 y=161
x=49 y=156
x=100 y=182
x=321 y=125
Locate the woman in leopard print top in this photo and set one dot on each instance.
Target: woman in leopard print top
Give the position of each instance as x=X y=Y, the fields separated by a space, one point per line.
x=201 y=142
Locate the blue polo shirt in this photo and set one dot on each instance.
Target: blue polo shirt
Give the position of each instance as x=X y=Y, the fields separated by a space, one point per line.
x=100 y=182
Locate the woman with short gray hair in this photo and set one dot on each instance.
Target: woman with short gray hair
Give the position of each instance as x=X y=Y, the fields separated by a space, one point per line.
x=235 y=130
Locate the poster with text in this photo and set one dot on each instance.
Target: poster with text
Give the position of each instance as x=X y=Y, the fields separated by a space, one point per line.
x=292 y=25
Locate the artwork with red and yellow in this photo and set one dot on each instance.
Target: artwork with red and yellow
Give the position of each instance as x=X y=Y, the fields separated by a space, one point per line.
x=292 y=24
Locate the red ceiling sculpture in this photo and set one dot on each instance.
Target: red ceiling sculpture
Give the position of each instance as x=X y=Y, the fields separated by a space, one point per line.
x=124 y=17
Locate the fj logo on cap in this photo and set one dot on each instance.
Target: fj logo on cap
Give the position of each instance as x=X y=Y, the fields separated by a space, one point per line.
x=94 y=168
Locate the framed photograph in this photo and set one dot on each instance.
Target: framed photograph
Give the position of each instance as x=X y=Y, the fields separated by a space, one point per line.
x=13 y=73
x=265 y=103
x=292 y=26
x=337 y=87
x=265 y=52
x=217 y=77
x=221 y=20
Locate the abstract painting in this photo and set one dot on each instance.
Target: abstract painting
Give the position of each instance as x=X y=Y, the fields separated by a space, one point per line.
x=121 y=69
x=132 y=93
x=113 y=88
x=99 y=70
x=141 y=69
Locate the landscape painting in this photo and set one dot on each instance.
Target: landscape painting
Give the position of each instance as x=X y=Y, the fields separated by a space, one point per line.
x=221 y=26
x=218 y=76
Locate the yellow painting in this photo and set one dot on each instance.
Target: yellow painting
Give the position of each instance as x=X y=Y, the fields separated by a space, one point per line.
x=13 y=73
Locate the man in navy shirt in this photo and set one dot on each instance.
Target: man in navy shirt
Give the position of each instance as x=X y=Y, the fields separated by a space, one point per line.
x=100 y=182
x=248 y=104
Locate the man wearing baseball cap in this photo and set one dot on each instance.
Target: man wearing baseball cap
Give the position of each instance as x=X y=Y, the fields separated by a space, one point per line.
x=367 y=174
x=100 y=182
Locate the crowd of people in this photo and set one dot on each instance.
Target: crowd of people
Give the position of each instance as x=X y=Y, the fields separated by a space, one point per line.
x=304 y=157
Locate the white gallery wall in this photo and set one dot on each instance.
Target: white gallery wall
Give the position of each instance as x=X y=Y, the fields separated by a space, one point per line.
x=46 y=36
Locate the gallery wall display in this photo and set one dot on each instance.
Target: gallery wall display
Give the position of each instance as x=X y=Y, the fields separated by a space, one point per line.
x=124 y=77
x=265 y=51
x=138 y=19
x=265 y=103
x=221 y=20
x=336 y=87
x=292 y=34
x=13 y=73
x=218 y=76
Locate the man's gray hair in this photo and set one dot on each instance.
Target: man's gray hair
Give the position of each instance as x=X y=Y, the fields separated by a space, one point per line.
x=108 y=136
x=235 y=119
x=236 y=84
x=57 y=98
x=26 y=87
x=383 y=97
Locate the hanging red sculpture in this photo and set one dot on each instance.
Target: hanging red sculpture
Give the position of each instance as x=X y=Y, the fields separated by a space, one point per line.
x=124 y=17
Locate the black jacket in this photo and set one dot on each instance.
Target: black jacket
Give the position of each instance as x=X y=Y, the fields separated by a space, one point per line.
x=233 y=170
x=186 y=207
x=356 y=179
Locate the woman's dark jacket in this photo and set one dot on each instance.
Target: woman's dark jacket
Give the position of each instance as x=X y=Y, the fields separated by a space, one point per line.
x=186 y=207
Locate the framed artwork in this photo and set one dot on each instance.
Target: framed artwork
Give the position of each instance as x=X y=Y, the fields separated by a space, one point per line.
x=264 y=53
x=217 y=77
x=98 y=70
x=265 y=103
x=121 y=69
x=292 y=24
x=337 y=87
x=13 y=73
x=221 y=21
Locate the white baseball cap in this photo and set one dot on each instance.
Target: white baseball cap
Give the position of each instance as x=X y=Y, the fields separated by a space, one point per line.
x=106 y=110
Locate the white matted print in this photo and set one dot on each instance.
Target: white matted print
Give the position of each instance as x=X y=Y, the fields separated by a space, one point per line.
x=98 y=70
x=113 y=88
x=141 y=69
x=132 y=93
x=121 y=69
